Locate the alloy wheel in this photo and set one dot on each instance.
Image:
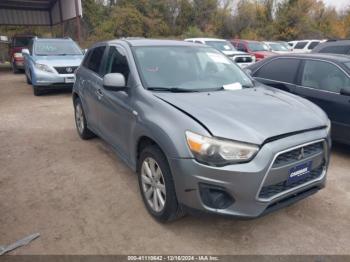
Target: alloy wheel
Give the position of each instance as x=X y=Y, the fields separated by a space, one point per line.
x=153 y=184
x=79 y=118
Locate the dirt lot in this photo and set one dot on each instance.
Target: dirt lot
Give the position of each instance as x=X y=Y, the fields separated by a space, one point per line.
x=84 y=200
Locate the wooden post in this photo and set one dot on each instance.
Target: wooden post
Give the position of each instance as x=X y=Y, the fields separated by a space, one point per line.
x=61 y=18
x=78 y=22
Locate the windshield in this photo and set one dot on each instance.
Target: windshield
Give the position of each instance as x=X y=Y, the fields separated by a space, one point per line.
x=49 y=48
x=256 y=46
x=21 y=41
x=221 y=45
x=187 y=67
x=278 y=47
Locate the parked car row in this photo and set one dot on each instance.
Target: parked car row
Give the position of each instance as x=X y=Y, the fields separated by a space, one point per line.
x=200 y=132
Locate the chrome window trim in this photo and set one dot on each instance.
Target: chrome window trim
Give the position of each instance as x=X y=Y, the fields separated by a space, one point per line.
x=276 y=81
x=325 y=147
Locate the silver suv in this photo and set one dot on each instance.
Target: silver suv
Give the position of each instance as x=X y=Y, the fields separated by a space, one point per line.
x=199 y=132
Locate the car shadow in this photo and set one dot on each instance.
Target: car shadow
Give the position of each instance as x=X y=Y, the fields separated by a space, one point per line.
x=54 y=92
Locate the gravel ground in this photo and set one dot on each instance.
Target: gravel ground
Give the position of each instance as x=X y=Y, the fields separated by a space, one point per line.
x=84 y=200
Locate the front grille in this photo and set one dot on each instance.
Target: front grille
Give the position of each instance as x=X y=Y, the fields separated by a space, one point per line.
x=269 y=191
x=244 y=59
x=296 y=154
x=66 y=69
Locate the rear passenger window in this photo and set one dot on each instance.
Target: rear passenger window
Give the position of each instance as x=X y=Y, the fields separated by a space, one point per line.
x=282 y=69
x=300 y=45
x=324 y=76
x=94 y=59
x=340 y=49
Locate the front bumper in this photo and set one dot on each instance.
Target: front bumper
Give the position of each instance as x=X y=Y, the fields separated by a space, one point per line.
x=46 y=79
x=244 y=182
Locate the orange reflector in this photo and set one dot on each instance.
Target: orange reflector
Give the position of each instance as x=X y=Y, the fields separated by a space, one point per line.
x=195 y=146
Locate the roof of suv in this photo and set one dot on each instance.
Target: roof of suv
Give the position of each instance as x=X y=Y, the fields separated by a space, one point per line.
x=325 y=56
x=52 y=39
x=332 y=43
x=207 y=39
x=153 y=42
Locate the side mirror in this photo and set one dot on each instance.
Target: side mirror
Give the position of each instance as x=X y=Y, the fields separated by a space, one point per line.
x=114 y=82
x=345 y=91
x=25 y=51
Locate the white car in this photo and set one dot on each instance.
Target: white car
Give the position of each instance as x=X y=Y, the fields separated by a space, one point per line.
x=241 y=58
x=277 y=47
x=304 y=46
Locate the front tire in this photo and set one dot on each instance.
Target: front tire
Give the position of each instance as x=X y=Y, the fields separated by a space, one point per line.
x=80 y=121
x=157 y=186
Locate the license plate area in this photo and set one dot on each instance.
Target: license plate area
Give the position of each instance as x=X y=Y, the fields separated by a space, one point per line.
x=299 y=172
x=69 y=79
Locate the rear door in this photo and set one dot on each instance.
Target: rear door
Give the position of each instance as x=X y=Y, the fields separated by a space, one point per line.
x=91 y=81
x=321 y=82
x=280 y=73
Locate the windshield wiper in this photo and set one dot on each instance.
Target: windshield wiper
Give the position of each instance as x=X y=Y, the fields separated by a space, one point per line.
x=172 y=89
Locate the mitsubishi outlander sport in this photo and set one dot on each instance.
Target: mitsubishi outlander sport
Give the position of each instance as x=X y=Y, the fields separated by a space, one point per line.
x=199 y=132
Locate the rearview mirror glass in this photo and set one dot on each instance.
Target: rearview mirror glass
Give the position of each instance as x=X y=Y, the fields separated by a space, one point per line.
x=114 y=82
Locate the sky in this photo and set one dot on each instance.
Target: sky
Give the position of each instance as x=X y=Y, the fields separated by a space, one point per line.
x=338 y=4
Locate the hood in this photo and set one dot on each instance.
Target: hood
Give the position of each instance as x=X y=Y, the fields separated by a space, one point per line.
x=59 y=61
x=231 y=53
x=249 y=115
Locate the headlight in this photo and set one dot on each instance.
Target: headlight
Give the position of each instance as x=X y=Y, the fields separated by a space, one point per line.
x=17 y=55
x=43 y=67
x=219 y=152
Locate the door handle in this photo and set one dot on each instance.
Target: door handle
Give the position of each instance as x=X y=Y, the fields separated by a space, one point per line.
x=99 y=93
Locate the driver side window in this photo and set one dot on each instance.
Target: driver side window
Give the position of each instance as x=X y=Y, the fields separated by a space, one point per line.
x=324 y=76
x=117 y=63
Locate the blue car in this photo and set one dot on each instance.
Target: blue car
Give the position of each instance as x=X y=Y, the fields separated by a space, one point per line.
x=51 y=63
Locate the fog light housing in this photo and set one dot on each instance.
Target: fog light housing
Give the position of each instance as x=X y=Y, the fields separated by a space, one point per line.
x=215 y=197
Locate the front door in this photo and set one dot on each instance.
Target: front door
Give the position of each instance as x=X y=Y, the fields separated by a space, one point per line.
x=116 y=115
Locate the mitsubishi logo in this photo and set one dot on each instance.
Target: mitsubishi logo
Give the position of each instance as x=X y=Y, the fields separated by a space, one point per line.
x=302 y=154
x=69 y=70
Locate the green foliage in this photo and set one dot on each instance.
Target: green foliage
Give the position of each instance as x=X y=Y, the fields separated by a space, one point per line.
x=252 y=19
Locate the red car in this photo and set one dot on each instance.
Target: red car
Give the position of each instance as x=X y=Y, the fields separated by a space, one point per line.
x=18 y=43
x=256 y=48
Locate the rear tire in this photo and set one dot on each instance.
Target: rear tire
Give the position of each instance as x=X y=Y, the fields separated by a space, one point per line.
x=157 y=186
x=80 y=121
